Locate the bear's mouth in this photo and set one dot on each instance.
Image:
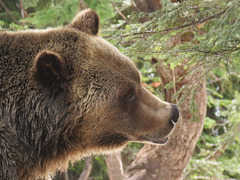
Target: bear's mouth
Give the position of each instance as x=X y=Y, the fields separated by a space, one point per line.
x=156 y=140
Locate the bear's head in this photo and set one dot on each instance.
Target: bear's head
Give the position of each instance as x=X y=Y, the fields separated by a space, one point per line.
x=96 y=91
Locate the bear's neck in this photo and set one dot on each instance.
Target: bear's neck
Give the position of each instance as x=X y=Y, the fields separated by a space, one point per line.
x=46 y=142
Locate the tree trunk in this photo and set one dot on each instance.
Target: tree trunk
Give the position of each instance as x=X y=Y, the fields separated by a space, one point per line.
x=21 y=8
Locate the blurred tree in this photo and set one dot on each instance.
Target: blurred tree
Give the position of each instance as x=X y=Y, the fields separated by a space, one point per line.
x=9 y=11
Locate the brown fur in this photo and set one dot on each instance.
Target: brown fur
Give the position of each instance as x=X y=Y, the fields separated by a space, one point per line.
x=66 y=93
x=86 y=21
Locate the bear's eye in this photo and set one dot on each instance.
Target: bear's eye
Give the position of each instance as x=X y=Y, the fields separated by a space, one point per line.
x=127 y=97
x=130 y=97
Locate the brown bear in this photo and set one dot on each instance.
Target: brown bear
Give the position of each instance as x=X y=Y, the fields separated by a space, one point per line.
x=66 y=93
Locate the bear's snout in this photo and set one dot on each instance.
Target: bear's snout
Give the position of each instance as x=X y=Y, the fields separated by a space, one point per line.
x=174 y=114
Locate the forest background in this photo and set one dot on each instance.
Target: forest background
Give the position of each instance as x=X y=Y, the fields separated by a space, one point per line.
x=200 y=36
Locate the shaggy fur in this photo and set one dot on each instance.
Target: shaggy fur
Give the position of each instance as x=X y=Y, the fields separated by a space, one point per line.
x=66 y=93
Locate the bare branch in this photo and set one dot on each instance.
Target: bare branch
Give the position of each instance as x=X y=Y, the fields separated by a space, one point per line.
x=8 y=12
x=65 y=175
x=114 y=166
x=119 y=12
x=87 y=169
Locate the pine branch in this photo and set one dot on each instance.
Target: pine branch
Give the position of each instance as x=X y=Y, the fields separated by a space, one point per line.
x=167 y=30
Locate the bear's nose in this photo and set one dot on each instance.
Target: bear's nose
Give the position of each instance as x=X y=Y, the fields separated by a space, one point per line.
x=175 y=113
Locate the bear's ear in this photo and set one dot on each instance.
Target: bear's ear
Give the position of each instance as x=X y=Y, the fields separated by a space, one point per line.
x=48 y=65
x=86 y=21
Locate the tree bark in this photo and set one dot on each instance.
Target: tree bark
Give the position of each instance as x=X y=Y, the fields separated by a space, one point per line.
x=114 y=166
x=21 y=8
x=87 y=169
